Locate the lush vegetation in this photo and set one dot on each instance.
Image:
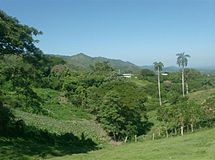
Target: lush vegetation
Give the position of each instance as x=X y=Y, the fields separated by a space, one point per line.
x=60 y=108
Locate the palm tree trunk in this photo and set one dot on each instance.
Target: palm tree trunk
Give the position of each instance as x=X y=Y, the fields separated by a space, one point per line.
x=159 y=132
x=159 y=88
x=175 y=131
x=182 y=80
x=191 y=127
x=167 y=134
x=187 y=91
x=182 y=130
x=126 y=138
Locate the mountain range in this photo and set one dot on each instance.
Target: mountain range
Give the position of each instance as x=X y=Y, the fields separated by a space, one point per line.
x=82 y=61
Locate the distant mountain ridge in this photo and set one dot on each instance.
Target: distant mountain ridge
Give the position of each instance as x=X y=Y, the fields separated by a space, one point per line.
x=83 y=61
x=165 y=69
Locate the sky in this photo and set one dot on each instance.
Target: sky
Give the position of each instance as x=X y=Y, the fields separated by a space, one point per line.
x=139 y=31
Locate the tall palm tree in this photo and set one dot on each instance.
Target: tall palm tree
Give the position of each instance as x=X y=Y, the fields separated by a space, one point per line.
x=182 y=61
x=158 y=66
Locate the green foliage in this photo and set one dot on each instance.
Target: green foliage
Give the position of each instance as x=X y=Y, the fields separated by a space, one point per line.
x=182 y=59
x=117 y=119
x=6 y=118
x=129 y=92
x=180 y=114
x=102 y=68
x=15 y=37
x=110 y=115
x=209 y=111
x=58 y=106
x=158 y=66
x=146 y=74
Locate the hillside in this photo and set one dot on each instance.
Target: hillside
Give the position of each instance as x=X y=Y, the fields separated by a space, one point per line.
x=201 y=96
x=63 y=117
x=82 y=61
x=77 y=126
x=196 y=146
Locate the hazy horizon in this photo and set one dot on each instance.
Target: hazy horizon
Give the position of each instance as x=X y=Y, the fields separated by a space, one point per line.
x=138 y=31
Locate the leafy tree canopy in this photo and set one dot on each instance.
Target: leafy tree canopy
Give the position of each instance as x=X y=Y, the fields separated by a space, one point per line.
x=16 y=38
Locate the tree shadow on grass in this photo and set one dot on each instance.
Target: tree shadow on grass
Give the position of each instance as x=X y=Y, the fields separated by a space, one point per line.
x=26 y=142
x=19 y=141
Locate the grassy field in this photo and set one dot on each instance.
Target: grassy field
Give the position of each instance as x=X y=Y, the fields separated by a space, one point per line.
x=139 y=82
x=70 y=137
x=196 y=146
x=78 y=127
x=200 y=96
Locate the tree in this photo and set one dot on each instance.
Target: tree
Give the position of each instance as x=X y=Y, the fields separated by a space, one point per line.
x=164 y=115
x=102 y=68
x=158 y=66
x=190 y=73
x=146 y=74
x=110 y=115
x=119 y=120
x=6 y=118
x=15 y=37
x=209 y=111
x=182 y=62
x=194 y=112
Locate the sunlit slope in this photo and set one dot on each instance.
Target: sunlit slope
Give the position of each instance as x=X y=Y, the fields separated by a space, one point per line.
x=196 y=146
x=202 y=95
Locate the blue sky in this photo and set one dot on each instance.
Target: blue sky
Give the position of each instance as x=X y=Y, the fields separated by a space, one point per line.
x=139 y=31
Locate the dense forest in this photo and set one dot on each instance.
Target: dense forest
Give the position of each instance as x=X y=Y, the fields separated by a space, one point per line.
x=148 y=103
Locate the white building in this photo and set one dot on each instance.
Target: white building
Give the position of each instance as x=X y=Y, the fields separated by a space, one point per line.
x=164 y=74
x=127 y=75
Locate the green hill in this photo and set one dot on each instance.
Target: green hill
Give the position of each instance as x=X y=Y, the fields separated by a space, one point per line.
x=82 y=61
x=196 y=146
x=63 y=117
x=201 y=96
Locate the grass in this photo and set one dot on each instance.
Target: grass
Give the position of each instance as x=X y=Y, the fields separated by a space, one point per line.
x=201 y=96
x=47 y=137
x=78 y=127
x=139 y=82
x=196 y=146
x=39 y=144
